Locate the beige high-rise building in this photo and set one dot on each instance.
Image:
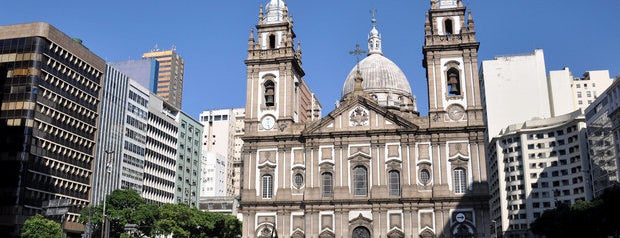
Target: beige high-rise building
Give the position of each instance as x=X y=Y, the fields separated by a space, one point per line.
x=372 y=167
x=170 y=75
x=568 y=93
x=222 y=136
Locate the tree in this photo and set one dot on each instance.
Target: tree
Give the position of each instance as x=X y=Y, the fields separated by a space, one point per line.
x=179 y=220
x=38 y=226
x=597 y=218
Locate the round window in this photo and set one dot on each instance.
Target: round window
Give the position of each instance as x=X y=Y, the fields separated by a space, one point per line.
x=299 y=180
x=425 y=176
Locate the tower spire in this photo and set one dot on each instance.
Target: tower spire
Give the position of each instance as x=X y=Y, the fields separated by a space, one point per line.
x=374 y=39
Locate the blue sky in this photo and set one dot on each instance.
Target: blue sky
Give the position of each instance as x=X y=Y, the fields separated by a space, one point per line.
x=212 y=37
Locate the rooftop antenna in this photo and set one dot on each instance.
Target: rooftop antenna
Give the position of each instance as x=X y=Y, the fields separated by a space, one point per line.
x=155 y=48
x=174 y=47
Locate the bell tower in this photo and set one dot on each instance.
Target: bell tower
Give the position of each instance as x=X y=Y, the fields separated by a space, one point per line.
x=276 y=94
x=451 y=61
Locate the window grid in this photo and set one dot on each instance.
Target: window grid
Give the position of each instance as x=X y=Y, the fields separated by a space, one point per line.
x=360 y=181
x=267 y=186
x=328 y=189
x=394 y=183
x=459 y=180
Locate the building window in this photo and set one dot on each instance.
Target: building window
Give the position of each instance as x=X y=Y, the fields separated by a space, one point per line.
x=579 y=94
x=299 y=180
x=460 y=180
x=394 y=183
x=269 y=93
x=425 y=176
x=448 y=26
x=272 y=41
x=360 y=181
x=267 y=186
x=454 y=82
x=328 y=188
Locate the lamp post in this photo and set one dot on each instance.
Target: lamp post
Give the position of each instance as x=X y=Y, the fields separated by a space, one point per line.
x=108 y=167
x=494 y=227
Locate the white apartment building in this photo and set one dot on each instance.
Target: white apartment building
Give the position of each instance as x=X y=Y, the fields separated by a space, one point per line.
x=534 y=165
x=161 y=152
x=568 y=93
x=222 y=135
x=514 y=89
x=602 y=120
x=213 y=176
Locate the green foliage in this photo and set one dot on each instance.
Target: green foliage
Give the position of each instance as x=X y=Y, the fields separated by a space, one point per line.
x=179 y=220
x=584 y=219
x=40 y=227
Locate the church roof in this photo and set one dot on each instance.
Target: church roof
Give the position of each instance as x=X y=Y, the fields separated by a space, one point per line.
x=379 y=74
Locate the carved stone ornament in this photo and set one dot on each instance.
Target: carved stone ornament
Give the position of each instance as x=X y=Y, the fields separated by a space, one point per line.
x=359 y=117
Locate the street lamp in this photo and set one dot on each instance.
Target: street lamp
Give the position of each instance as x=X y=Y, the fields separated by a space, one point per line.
x=494 y=227
x=108 y=167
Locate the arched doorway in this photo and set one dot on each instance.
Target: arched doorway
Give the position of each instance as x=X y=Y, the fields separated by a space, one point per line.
x=361 y=232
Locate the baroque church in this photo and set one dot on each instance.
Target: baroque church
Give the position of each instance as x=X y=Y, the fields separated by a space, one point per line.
x=373 y=167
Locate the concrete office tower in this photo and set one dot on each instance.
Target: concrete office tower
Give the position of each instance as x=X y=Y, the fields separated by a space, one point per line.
x=222 y=135
x=49 y=91
x=121 y=138
x=534 y=165
x=161 y=152
x=170 y=76
x=568 y=93
x=603 y=120
x=514 y=89
x=213 y=175
x=143 y=71
x=189 y=160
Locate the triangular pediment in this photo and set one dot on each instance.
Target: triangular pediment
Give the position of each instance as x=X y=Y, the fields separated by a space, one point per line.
x=360 y=114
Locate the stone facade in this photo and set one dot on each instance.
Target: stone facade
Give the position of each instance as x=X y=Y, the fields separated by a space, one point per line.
x=365 y=169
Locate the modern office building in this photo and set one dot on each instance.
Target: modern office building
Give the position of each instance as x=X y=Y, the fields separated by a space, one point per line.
x=372 y=167
x=521 y=82
x=189 y=160
x=170 y=75
x=535 y=165
x=602 y=121
x=222 y=135
x=143 y=71
x=49 y=91
x=568 y=93
x=121 y=138
x=160 y=164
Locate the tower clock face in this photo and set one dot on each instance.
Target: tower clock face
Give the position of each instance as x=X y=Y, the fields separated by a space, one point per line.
x=268 y=122
x=455 y=112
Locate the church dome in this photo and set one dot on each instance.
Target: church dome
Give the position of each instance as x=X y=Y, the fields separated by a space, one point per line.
x=380 y=75
x=382 y=79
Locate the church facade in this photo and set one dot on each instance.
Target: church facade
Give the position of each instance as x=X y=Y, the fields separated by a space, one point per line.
x=372 y=167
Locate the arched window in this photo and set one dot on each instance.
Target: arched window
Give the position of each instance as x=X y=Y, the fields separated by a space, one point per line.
x=360 y=181
x=361 y=232
x=272 y=41
x=267 y=186
x=269 y=93
x=460 y=180
x=394 y=183
x=454 y=82
x=327 y=185
x=448 y=26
